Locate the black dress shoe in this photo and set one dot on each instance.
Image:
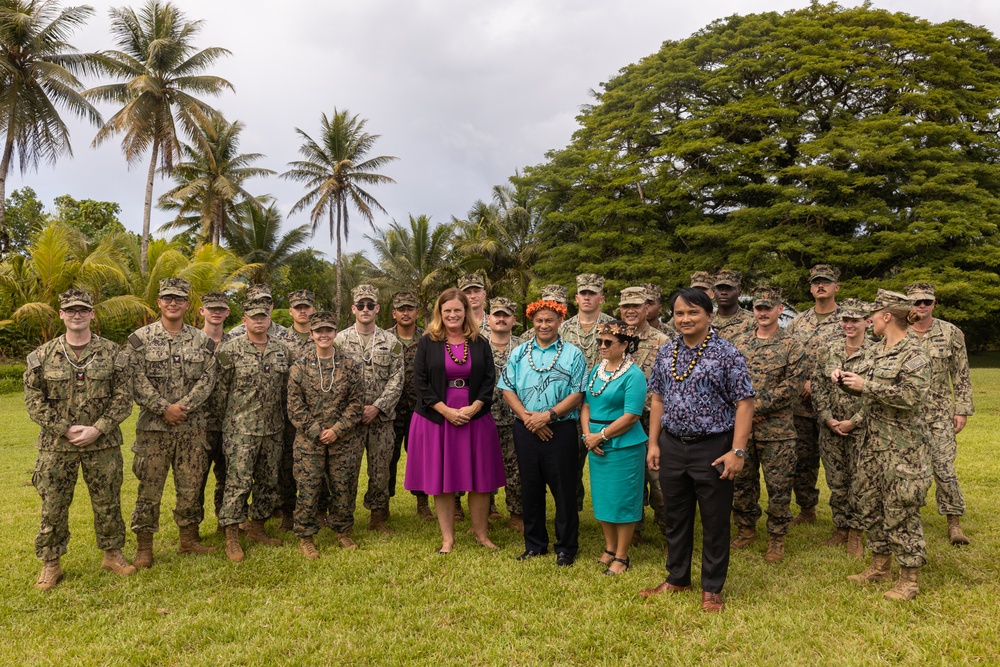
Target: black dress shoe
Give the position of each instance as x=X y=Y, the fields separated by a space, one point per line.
x=564 y=560
x=528 y=553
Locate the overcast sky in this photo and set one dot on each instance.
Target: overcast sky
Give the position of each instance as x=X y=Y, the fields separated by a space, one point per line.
x=463 y=92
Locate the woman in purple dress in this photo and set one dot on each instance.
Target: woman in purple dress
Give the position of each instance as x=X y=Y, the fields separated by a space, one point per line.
x=453 y=444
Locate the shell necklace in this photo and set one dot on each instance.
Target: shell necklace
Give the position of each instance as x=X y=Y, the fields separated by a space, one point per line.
x=465 y=352
x=361 y=343
x=79 y=367
x=694 y=362
x=333 y=371
x=609 y=378
x=531 y=362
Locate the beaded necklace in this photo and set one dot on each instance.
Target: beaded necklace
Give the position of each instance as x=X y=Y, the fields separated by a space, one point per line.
x=361 y=344
x=333 y=371
x=608 y=378
x=465 y=352
x=62 y=341
x=531 y=362
x=694 y=362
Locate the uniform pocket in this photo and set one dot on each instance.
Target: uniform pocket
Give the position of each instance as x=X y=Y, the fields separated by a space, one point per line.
x=157 y=363
x=909 y=484
x=194 y=362
x=100 y=379
x=58 y=383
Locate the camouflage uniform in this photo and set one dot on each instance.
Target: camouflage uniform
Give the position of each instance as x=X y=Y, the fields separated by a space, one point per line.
x=254 y=384
x=215 y=409
x=404 y=409
x=313 y=410
x=504 y=418
x=778 y=367
x=62 y=390
x=731 y=327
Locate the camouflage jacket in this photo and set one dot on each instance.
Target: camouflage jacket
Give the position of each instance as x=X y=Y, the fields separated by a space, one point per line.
x=778 y=368
x=830 y=402
x=215 y=406
x=502 y=414
x=253 y=384
x=816 y=336
x=171 y=369
x=312 y=410
x=381 y=363
x=96 y=392
x=407 y=397
x=731 y=327
x=950 y=391
x=573 y=333
x=274 y=332
x=298 y=345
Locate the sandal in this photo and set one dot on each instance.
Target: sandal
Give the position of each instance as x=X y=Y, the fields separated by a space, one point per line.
x=609 y=553
x=627 y=562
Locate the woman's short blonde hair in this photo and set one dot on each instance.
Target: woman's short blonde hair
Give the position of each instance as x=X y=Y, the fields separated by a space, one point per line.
x=436 y=329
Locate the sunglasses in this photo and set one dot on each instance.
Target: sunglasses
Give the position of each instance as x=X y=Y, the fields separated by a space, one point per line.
x=174 y=299
x=366 y=305
x=925 y=302
x=606 y=342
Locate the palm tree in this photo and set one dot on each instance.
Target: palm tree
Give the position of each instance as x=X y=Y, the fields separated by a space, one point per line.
x=336 y=170
x=158 y=72
x=255 y=236
x=210 y=181
x=37 y=68
x=414 y=258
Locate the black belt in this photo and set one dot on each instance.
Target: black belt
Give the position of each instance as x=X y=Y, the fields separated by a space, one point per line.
x=458 y=384
x=694 y=439
x=603 y=421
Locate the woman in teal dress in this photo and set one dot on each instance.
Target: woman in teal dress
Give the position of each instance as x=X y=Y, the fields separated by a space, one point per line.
x=612 y=405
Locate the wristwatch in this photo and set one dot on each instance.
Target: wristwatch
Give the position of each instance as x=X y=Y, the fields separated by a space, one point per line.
x=740 y=453
x=553 y=417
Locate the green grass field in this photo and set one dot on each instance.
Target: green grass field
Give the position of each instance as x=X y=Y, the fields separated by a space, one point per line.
x=396 y=602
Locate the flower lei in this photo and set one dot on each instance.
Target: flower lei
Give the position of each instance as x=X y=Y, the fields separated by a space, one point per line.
x=543 y=304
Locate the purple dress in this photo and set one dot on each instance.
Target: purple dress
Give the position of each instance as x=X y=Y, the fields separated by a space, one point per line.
x=444 y=458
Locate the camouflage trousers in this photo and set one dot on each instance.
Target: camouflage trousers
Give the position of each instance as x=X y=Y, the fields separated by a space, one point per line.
x=891 y=487
x=252 y=463
x=156 y=452
x=55 y=480
x=377 y=441
x=217 y=463
x=512 y=490
x=400 y=431
x=839 y=455
x=777 y=459
x=806 y=462
x=943 y=450
x=340 y=465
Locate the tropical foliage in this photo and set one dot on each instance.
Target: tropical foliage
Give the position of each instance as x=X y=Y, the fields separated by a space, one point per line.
x=255 y=236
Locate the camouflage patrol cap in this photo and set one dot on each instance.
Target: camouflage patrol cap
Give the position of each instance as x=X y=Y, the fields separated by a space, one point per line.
x=259 y=291
x=855 y=309
x=174 y=287
x=257 y=306
x=824 y=272
x=590 y=282
x=471 y=280
x=702 y=279
x=215 y=300
x=502 y=305
x=556 y=293
x=405 y=298
x=653 y=291
x=76 y=297
x=300 y=297
x=727 y=277
x=364 y=291
x=918 y=291
x=894 y=302
x=321 y=319
x=767 y=296
x=633 y=296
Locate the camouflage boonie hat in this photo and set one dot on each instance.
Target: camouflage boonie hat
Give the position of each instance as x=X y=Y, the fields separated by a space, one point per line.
x=364 y=291
x=855 y=309
x=258 y=306
x=918 y=291
x=633 y=296
x=259 y=291
x=322 y=318
x=556 y=293
x=503 y=305
x=824 y=271
x=702 y=279
x=590 y=282
x=405 y=298
x=75 y=297
x=214 y=300
x=301 y=296
x=727 y=277
x=894 y=302
x=767 y=296
x=653 y=291
x=174 y=287
x=471 y=280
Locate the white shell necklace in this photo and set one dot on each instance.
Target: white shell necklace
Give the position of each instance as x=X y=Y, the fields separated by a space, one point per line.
x=79 y=367
x=609 y=378
x=361 y=343
x=333 y=371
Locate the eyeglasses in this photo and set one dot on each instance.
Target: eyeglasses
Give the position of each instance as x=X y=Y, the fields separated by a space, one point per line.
x=174 y=299
x=924 y=302
x=606 y=342
x=366 y=305
x=73 y=312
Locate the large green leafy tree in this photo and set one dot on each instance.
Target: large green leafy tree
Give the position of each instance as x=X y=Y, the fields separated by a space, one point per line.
x=771 y=142
x=37 y=77
x=93 y=218
x=159 y=78
x=25 y=217
x=337 y=170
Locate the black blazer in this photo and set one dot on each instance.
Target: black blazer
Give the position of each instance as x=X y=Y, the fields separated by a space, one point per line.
x=430 y=383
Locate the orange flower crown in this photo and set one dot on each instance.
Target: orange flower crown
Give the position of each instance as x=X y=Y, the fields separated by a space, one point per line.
x=543 y=304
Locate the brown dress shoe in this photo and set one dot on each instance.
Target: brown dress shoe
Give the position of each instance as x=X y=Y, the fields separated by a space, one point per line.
x=712 y=602
x=665 y=587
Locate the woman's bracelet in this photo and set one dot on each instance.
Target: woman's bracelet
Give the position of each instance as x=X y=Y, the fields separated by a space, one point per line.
x=604 y=436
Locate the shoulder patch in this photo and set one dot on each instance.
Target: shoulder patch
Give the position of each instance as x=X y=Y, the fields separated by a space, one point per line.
x=224 y=359
x=33 y=361
x=915 y=363
x=122 y=359
x=397 y=348
x=135 y=341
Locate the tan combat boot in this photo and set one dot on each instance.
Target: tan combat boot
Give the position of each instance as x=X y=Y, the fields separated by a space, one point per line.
x=376 y=522
x=307 y=548
x=877 y=571
x=775 y=548
x=191 y=541
x=287 y=522
x=955 y=534
x=839 y=537
x=855 y=544
x=424 y=509
x=805 y=516
x=115 y=562
x=744 y=538
x=906 y=588
x=50 y=576
x=516 y=522
x=144 y=551
x=234 y=551
x=345 y=541
x=256 y=533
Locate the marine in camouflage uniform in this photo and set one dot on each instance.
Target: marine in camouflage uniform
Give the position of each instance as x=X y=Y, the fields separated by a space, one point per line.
x=778 y=366
x=817 y=332
x=556 y=293
x=325 y=394
x=380 y=357
x=213 y=419
x=473 y=285
x=654 y=307
x=170 y=371
x=69 y=389
x=504 y=416
x=727 y=287
x=839 y=452
x=949 y=402
x=275 y=331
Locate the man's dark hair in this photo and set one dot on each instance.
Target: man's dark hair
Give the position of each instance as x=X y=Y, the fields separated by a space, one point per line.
x=693 y=296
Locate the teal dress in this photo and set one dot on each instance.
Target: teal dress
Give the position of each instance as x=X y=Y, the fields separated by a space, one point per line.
x=616 y=479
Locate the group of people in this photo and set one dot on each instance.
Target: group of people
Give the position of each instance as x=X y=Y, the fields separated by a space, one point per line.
x=676 y=416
